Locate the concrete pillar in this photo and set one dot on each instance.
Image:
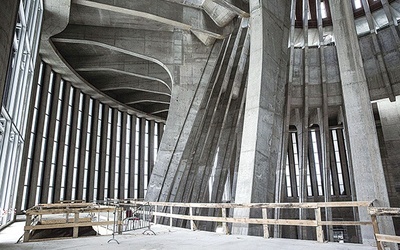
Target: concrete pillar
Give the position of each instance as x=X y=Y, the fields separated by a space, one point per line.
x=39 y=138
x=8 y=15
x=122 y=159
x=61 y=141
x=192 y=79
x=50 y=140
x=364 y=148
x=160 y=132
x=72 y=144
x=151 y=147
x=131 y=179
x=389 y=113
x=113 y=153
x=82 y=149
x=265 y=99
x=103 y=150
x=92 y=153
x=142 y=134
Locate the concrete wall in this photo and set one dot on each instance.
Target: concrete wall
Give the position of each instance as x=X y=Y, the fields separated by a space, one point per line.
x=8 y=15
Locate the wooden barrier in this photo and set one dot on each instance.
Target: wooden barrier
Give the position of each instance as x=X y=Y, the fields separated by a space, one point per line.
x=46 y=216
x=265 y=221
x=165 y=209
x=374 y=212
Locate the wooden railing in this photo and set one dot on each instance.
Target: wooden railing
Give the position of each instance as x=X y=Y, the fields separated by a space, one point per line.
x=383 y=211
x=67 y=215
x=165 y=209
x=170 y=211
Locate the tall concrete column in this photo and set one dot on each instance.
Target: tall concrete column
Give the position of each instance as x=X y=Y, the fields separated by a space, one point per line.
x=389 y=113
x=364 y=148
x=92 y=153
x=265 y=99
x=61 y=142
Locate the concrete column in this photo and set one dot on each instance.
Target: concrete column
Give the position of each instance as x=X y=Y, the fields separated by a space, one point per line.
x=151 y=147
x=160 y=132
x=61 y=141
x=142 y=134
x=131 y=179
x=265 y=99
x=39 y=138
x=113 y=153
x=72 y=144
x=92 y=153
x=103 y=148
x=8 y=15
x=82 y=149
x=192 y=79
x=50 y=140
x=364 y=148
x=389 y=113
x=122 y=156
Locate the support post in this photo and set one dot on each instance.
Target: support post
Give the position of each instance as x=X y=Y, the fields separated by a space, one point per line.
x=75 y=232
x=170 y=218
x=266 y=227
x=376 y=231
x=191 y=219
x=224 y=224
x=319 y=230
x=27 y=224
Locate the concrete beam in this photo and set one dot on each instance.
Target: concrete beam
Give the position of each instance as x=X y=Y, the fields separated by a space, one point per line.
x=143 y=86
x=55 y=20
x=122 y=72
x=236 y=6
x=178 y=16
x=121 y=62
x=145 y=97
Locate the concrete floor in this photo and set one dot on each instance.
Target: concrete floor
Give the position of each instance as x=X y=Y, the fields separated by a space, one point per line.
x=167 y=238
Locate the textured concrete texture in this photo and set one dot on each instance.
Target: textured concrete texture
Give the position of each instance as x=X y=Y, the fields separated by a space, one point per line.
x=263 y=119
x=367 y=164
x=7 y=23
x=389 y=113
x=168 y=238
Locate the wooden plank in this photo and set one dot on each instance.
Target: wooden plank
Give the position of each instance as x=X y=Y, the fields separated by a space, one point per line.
x=72 y=210
x=191 y=221
x=224 y=224
x=27 y=231
x=264 y=205
x=75 y=231
x=376 y=232
x=61 y=221
x=345 y=223
x=388 y=238
x=319 y=230
x=265 y=217
x=388 y=211
x=83 y=224
x=310 y=223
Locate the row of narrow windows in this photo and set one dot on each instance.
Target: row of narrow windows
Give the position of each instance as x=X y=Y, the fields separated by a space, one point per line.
x=337 y=175
x=80 y=149
x=15 y=101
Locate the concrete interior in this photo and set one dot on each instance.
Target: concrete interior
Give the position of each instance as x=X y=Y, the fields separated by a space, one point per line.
x=240 y=101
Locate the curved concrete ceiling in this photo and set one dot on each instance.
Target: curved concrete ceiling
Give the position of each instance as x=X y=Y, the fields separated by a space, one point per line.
x=127 y=50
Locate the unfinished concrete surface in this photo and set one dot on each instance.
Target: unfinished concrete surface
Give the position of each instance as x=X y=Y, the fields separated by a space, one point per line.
x=245 y=101
x=168 y=238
